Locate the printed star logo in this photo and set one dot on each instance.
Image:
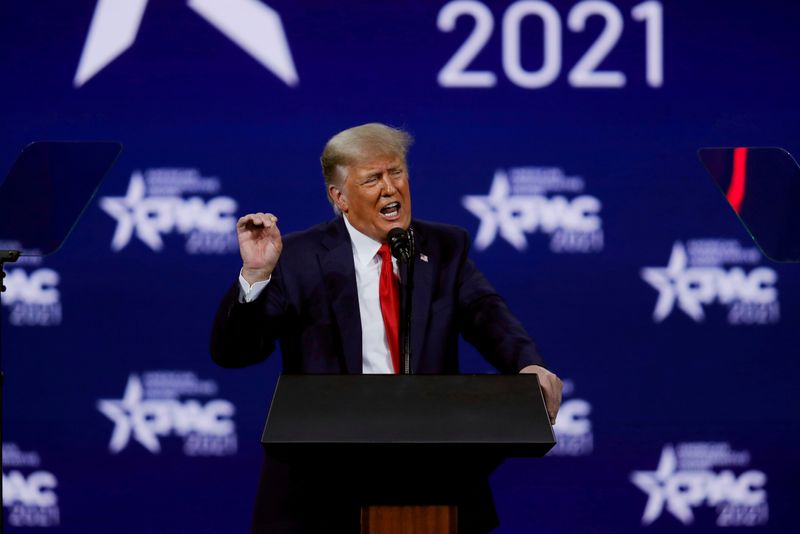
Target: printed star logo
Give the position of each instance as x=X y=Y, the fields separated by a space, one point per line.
x=129 y=418
x=252 y=25
x=496 y=212
x=124 y=210
x=661 y=490
x=669 y=282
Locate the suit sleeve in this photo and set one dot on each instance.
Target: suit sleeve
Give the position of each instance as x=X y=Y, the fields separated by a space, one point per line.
x=244 y=333
x=487 y=323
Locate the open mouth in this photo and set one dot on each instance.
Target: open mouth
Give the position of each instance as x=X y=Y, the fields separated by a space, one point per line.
x=391 y=211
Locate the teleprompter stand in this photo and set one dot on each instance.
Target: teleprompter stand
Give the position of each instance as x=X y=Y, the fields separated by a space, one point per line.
x=41 y=199
x=406 y=446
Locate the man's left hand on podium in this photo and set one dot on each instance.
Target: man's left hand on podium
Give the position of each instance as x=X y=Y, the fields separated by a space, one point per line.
x=551 y=389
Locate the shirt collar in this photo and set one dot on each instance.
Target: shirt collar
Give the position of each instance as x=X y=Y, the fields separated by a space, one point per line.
x=364 y=247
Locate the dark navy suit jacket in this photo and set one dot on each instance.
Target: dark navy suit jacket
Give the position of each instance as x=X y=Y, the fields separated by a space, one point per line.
x=311 y=307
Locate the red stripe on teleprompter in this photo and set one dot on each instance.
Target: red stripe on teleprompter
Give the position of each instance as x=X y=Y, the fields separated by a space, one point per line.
x=735 y=192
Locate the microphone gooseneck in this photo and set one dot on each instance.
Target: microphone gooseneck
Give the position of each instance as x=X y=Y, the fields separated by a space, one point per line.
x=401 y=243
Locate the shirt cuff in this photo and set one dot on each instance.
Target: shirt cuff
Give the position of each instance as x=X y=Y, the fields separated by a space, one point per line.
x=248 y=293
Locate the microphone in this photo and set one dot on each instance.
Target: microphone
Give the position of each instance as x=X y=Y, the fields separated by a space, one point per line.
x=400 y=243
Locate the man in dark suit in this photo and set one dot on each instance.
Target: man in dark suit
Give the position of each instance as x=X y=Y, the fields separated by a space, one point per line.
x=326 y=302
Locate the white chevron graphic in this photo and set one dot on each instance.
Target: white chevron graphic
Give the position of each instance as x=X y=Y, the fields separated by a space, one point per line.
x=253 y=26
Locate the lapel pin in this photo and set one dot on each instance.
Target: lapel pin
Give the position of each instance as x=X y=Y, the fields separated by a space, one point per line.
x=423 y=257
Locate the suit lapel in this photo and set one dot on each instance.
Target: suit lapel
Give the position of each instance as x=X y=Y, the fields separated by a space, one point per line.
x=339 y=274
x=421 y=301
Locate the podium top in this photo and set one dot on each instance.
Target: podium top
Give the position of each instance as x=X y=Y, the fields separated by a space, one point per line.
x=495 y=414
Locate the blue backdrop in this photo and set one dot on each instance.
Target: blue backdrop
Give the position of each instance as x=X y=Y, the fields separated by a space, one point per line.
x=562 y=135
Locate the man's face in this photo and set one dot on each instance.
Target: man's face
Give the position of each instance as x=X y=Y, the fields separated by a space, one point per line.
x=375 y=196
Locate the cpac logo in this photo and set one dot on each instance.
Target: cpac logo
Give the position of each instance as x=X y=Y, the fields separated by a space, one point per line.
x=741 y=500
x=31 y=499
x=573 y=418
x=573 y=428
x=147 y=419
x=38 y=287
x=252 y=25
x=752 y=296
x=33 y=297
x=34 y=490
x=574 y=223
x=151 y=216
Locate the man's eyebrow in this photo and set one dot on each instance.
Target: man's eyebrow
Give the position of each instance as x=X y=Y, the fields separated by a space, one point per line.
x=368 y=170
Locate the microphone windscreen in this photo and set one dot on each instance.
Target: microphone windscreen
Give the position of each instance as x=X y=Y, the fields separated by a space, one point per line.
x=399 y=243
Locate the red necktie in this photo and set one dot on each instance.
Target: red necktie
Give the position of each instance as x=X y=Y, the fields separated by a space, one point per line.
x=389 y=292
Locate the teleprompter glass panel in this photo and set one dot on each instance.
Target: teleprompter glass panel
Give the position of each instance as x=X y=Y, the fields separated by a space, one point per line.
x=47 y=190
x=762 y=185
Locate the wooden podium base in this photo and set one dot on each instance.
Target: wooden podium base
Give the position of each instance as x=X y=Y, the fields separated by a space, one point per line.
x=409 y=520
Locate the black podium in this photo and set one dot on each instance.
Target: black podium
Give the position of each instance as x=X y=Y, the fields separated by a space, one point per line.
x=406 y=446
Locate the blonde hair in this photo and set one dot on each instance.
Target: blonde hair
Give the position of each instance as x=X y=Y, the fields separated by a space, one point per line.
x=358 y=144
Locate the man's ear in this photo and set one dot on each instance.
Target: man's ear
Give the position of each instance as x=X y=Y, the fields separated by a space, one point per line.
x=338 y=198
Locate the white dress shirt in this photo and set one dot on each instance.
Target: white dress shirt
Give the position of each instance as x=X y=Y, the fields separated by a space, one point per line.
x=376 y=358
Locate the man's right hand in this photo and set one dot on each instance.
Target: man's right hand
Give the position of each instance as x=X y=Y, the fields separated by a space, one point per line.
x=259 y=244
